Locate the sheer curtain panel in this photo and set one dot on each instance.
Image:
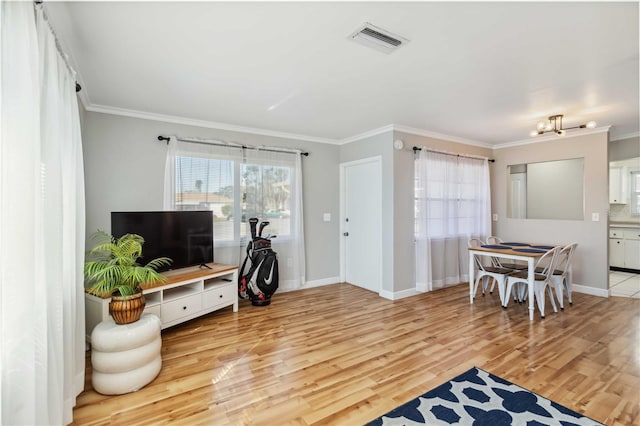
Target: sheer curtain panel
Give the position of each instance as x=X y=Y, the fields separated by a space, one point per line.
x=278 y=195
x=452 y=204
x=41 y=224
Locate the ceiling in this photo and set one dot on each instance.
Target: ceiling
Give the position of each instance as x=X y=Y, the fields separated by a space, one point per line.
x=482 y=73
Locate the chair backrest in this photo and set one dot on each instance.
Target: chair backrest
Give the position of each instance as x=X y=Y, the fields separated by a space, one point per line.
x=494 y=240
x=494 y=260
x=548 y=261
x=565 y=257
x=474 y=242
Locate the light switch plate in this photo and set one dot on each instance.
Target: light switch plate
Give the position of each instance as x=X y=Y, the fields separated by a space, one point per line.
x=595 y=217
x=495 y=217
x=327 y=217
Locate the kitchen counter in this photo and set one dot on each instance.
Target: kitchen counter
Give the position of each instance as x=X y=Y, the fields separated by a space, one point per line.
x=624 y=224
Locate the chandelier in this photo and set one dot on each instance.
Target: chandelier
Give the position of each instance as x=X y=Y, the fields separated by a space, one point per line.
x=554 y=124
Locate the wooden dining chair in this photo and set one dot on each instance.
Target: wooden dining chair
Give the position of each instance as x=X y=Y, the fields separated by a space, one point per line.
x=485 y=272
x=542 y=281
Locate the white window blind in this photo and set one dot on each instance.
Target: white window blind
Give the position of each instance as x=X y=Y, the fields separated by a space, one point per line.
x=207 y=184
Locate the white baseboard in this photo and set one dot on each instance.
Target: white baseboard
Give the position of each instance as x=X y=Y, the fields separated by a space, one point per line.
x=309 y=284
x=600 y=292
x=399 y=294
x=320 y=282
x=391 y=295
x=384 y=293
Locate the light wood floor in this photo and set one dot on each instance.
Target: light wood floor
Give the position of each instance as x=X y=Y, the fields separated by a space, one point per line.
x=342 y=355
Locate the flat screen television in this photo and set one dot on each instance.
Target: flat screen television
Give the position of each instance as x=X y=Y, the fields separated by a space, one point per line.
x=184 y=236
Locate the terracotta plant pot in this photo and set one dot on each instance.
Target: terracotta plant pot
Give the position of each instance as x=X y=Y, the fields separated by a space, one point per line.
x=127 y=309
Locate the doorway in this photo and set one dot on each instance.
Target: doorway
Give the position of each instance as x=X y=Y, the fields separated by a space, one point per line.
x=361 y=223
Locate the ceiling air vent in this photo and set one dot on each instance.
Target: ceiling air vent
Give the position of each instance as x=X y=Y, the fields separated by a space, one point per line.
x=377 y=38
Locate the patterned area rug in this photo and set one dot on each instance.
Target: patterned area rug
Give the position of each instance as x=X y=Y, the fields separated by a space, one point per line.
x=480 y=398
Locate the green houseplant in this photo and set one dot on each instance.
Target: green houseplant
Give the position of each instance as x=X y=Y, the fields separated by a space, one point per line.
x=112 y=270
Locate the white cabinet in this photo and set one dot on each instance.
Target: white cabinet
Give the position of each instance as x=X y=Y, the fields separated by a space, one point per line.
x=632 y=248
x=188 y=293
x=618 y=192
x=624 y=248
x=616 y=252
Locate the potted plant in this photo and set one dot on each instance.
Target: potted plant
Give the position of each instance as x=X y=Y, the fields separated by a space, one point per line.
x=112 y=270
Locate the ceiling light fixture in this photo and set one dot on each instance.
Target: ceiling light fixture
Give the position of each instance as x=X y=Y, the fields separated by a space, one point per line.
x=554 y=124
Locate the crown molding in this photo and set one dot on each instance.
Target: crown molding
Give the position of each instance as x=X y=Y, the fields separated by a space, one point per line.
x=412 y=131
x=367 y=134
x=573 y=134
x=627 y=136
x=284 y=135
x=435 y=135
x=204 y=123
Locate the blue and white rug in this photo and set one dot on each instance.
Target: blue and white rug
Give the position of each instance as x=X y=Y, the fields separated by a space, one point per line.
x=480 y=398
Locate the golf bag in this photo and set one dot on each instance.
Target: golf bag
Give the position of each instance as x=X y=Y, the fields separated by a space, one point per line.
x=261 y=280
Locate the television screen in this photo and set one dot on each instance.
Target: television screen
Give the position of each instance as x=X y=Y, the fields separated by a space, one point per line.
x=184 y=236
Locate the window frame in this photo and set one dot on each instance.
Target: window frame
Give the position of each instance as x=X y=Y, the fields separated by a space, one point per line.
x=634 y=192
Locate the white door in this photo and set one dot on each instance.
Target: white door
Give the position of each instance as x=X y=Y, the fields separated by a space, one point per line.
x=362 y=223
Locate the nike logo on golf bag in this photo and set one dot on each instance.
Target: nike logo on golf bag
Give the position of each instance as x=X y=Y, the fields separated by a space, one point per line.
x=268 y=280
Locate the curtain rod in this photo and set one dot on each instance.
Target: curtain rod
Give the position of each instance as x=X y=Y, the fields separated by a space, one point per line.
x=417 y=148
x=64 y=56
x=286 y=151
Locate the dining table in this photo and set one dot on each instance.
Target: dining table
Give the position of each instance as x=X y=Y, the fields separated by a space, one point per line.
x=526 y=252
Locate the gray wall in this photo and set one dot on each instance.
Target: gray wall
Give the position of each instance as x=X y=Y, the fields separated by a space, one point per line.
x=591 y=262
x=624 y=148
x=124 y=170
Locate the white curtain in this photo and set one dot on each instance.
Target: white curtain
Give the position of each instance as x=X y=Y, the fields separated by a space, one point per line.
x=290 y=246
x=41 y=224
x=236 y=184
x=453 y=204
x=169 y=198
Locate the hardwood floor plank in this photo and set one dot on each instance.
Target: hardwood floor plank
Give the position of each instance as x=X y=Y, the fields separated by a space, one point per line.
x=341 y=355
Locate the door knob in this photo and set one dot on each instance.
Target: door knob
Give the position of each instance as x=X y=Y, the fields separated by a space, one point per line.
x=346 y=234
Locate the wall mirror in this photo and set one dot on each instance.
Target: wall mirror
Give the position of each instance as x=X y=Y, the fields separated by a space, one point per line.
x=546 y=190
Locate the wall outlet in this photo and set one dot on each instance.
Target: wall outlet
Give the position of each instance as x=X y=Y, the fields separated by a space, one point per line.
x=327 y=217
x=495 y=217
x=595 y=217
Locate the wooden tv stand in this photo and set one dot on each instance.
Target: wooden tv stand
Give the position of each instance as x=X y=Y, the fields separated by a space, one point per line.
x=188 y=293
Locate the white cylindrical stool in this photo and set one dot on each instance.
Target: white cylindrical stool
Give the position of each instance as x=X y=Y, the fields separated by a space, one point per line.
x=127 y=357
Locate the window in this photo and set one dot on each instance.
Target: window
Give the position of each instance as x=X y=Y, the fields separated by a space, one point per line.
x=266 y=191
x=237 y=183
x=235 y=191
x=451 y=198
x=207 y=184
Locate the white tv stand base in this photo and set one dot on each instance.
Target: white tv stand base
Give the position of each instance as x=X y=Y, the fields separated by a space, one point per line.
x=188 y=293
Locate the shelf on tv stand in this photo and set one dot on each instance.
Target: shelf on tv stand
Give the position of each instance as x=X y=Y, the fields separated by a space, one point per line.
x=186 y=294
